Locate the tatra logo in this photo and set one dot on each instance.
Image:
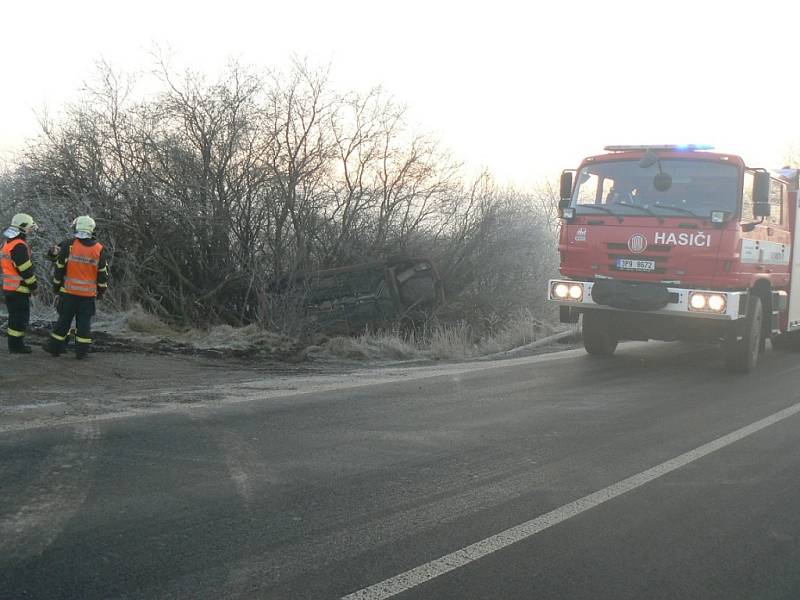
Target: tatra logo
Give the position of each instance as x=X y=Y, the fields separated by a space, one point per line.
x=637 y=243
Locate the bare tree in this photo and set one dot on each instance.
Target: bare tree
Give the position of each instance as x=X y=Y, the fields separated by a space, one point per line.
x=210 y=191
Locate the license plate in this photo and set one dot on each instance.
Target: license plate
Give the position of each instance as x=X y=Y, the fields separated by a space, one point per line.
x=635 y=264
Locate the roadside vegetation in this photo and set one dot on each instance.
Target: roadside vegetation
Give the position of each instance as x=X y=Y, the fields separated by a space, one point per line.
x=206 y=192
x=441 y=341
x=435 y=341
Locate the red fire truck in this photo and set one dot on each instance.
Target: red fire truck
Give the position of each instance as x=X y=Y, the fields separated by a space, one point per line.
x=680 y=243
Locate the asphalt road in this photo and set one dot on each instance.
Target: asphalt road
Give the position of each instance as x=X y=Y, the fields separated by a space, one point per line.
x=655 y=474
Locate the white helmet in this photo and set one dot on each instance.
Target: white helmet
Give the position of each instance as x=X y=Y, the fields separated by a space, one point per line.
x=21 y=223
x=24 y=222
x=84 y=226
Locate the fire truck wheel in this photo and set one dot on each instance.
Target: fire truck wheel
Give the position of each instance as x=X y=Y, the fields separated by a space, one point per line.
x=742 y=355
x=598 y=339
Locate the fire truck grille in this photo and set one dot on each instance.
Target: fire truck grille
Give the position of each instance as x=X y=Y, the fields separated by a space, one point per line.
x=650 y=248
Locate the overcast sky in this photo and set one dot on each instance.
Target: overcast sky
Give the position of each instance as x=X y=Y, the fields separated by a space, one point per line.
x=525 y=88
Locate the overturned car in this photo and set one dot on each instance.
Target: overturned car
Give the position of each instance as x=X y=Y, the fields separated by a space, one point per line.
x=376 y=294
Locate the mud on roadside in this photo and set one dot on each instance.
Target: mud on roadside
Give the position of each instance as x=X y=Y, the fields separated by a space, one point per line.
x=124 y=374
x=125 y=377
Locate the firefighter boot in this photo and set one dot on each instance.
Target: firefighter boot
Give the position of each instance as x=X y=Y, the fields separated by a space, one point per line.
x=16 y=345
x=81 y=350
x=53 y=346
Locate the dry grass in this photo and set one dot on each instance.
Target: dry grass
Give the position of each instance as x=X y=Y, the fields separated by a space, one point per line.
x=453 y=341
x=373 y=345
x=140 y=325
x=441 y=342
x=137 y=320
x=520 y=330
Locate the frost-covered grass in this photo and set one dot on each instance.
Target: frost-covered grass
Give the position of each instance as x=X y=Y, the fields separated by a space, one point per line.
x=134 y=323
x=140 y=325
x=440 y=342
x=443 y=341
x=373 y=345
x=521 y=330
x=450 y=341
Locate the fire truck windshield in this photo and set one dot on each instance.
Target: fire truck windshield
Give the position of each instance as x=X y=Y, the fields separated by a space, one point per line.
x=671 y=187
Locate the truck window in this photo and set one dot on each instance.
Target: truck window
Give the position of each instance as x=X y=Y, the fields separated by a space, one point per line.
x=747 y=197
x=609 y=190
x=589 y=190
x=776 y=201
x=697 y=187
x=598 y=190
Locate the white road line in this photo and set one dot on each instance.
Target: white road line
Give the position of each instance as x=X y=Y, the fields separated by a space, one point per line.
x=418 y=575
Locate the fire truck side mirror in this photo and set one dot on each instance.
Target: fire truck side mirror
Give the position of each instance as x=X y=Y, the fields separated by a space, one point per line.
x=649 y=159
x=761 y=206
x=566 y=186
x=761 y=209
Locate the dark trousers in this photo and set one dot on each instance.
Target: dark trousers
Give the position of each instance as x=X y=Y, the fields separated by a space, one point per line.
x=82 y=310
x=19 y=315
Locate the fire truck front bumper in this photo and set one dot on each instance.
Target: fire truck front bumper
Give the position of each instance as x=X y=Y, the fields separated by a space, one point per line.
x=678 y=302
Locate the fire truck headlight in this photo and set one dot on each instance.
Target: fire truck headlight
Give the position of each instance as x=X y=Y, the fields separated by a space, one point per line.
x=561 y=291
x=708 y=302
x=566 y=290
x=716 y=302
x=576 y=291
x=697 y=301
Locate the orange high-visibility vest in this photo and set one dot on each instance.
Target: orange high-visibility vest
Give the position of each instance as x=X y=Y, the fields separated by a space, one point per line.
x=11 y=277
x=81 y=276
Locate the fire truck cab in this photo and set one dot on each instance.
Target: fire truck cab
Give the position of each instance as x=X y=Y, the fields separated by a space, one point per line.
x=675 y=242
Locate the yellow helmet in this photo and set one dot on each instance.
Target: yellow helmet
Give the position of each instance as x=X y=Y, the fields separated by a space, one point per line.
x=24 y=223
x=84 y=224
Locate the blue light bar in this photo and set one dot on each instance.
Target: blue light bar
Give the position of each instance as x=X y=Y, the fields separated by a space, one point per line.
x=664 y=147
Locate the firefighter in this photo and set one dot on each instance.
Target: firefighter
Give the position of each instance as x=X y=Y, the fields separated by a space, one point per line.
x=19 y=280
x=80 y=277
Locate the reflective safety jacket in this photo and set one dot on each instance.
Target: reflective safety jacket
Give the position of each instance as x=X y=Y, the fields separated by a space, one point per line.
x=17 y=267
x=84 y=269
